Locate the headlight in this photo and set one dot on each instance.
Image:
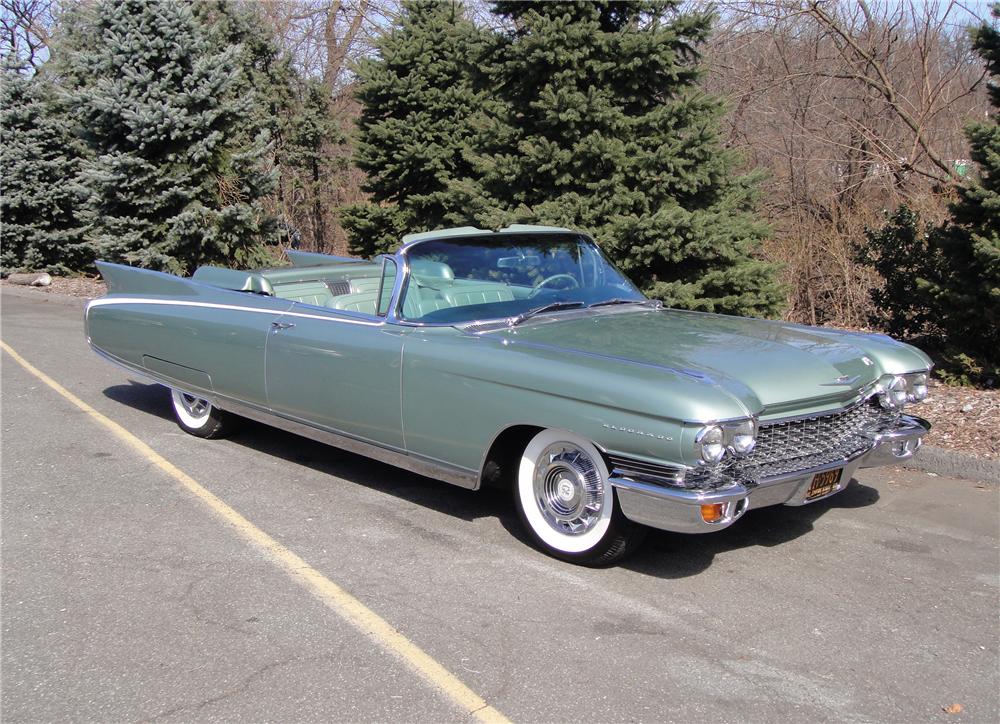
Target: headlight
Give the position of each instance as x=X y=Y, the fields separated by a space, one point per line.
x=900 y=389
x=742 y=437
x=893 y=395
x=711 y=442
x=916 y=387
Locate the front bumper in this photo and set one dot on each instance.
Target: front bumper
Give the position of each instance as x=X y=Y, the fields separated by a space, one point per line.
x=679 y=510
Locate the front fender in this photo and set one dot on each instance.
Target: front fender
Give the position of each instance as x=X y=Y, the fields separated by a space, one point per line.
x=459 y=392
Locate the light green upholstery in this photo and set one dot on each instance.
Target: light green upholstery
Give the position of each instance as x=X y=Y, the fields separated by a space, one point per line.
x=312 y=292
x=365 y=284
x=363 y=303
x=465 y=295
x=432 y=271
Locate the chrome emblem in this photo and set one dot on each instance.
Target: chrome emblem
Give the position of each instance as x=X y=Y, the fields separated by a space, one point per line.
x=633 y=431
x=845 y=380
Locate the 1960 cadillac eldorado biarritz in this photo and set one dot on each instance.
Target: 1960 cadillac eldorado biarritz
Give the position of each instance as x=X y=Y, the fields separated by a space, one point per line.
x=523 y=358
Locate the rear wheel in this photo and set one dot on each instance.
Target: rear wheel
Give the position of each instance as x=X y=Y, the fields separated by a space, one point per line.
x=199 y=417
x=566 y=503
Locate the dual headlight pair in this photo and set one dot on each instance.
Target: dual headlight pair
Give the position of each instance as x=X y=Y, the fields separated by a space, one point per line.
x=897 y=390
x=715 y=441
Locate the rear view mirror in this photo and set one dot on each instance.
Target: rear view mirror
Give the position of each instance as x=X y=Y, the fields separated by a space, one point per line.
x=519 y=262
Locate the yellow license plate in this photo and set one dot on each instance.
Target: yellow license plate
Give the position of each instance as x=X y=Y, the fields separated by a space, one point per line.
x=824 y=483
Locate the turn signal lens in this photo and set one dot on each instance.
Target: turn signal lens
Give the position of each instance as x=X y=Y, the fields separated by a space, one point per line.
x=712 y=512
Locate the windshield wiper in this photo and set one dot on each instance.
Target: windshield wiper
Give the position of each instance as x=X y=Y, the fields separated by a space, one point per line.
x=553 y=307
x=620 y=300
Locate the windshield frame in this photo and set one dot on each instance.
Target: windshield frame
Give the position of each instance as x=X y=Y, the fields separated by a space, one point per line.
x=403 y=263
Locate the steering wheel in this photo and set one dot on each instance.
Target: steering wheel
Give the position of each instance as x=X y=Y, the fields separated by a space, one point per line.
x=555 y=277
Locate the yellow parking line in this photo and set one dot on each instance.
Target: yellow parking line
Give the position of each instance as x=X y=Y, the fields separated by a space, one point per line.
x=336 y=598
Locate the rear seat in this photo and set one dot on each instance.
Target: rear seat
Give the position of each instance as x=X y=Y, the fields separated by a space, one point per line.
x=363 y=303
x=311 y=292
x=365 y=284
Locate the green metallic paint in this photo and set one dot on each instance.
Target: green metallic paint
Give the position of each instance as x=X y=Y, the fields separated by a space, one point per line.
x=340 y=376
x=636 y=381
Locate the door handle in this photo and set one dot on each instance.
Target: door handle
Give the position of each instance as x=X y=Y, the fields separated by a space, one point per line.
x=278 y=326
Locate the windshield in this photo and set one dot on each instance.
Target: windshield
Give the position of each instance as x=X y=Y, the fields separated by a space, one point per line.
x=453 y=281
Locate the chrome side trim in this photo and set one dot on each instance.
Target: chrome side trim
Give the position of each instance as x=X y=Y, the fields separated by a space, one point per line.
x=399 y=458
x=334 y=317
x=128 y=366
x=415 y=463
x=636 y=470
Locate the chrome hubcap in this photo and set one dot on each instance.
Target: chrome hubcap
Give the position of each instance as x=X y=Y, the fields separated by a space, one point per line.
x=568 y=489
x=196 y=407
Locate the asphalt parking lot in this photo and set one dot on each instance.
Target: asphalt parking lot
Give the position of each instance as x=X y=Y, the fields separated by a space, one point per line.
x=126 y=597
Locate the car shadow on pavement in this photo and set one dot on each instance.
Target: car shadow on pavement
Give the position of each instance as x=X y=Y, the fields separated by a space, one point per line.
x=675 y=555
x=152 y=399
x=465 y=504
x=663 y=554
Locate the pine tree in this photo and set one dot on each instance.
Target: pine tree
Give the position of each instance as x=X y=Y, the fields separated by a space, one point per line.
x=966 y=289
x=415 y=125
x=177 y=171
x=306 y=158
x=598 y=125
x=39 y=159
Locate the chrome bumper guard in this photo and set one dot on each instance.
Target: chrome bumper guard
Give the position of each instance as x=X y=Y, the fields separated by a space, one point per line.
x=679 y=510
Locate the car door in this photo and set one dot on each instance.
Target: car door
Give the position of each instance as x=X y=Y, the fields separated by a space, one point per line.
x=339 y=369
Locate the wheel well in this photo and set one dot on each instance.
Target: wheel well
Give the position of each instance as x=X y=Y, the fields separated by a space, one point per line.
x=500 y=464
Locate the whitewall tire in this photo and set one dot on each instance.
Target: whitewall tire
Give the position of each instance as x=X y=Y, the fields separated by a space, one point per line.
x=198 y=417
x=566 y=503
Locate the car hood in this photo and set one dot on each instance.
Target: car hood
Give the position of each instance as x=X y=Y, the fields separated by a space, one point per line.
x=770 y=366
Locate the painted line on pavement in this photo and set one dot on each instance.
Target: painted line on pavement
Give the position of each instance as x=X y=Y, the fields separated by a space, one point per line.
x=336 y=598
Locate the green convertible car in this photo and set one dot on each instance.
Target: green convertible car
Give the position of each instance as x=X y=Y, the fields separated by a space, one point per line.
x=523 y=358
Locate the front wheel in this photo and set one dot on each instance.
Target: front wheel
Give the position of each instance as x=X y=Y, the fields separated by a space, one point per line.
x=198 y=417
x=566 y=503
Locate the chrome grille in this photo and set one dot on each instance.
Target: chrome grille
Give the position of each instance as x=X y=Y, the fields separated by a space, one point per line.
x=795 y=445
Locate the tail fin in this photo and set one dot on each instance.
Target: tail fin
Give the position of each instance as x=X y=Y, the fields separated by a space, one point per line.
x=124 y=279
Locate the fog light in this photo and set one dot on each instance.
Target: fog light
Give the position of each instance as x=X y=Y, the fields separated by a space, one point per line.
x=712 y=512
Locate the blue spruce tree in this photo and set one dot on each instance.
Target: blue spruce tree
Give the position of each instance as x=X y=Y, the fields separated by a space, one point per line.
x=177 y=168
x=39 y=158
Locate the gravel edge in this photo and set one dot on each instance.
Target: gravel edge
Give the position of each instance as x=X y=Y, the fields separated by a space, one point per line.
x=955 y=464
x=17 y=290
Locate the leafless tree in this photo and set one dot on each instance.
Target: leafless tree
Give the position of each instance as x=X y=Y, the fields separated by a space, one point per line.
x=27 y=25
x=852 y=108
x=324 y=37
